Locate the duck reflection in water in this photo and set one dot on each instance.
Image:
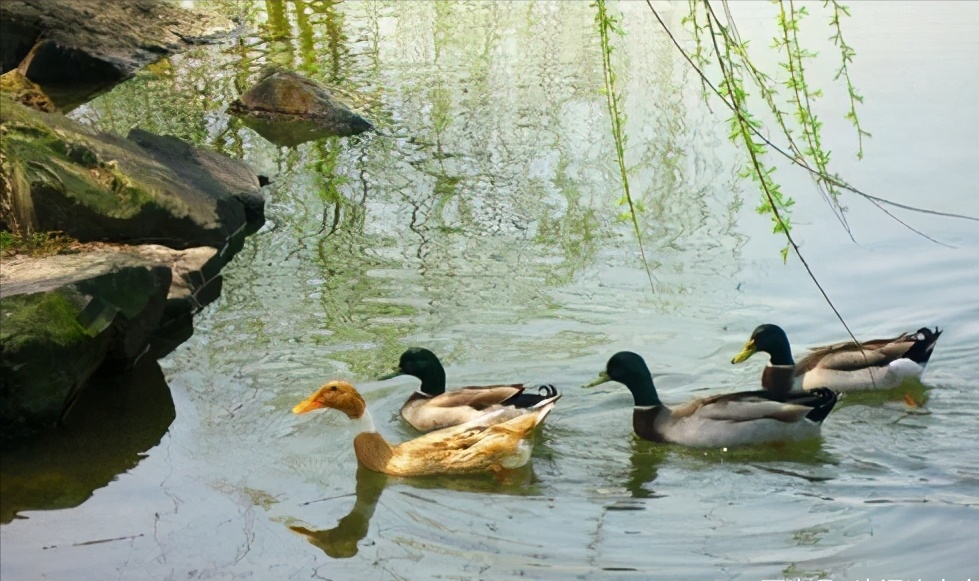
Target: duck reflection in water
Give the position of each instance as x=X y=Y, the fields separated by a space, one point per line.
x=341 y=541
x=645 y=460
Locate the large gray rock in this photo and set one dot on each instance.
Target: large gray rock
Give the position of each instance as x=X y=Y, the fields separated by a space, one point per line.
x=76 y=49
x=59 y=175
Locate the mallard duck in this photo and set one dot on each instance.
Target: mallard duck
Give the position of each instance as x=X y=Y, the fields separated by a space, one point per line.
x=732 y=419
x=491 y=442
x=431 y=407
x=846 y=366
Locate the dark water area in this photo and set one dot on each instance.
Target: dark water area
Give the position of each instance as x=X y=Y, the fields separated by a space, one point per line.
x=483 y=222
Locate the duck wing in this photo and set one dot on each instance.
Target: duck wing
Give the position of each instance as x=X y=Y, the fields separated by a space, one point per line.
x=746 y=406
x=849 y=356
x=478 y=398
x=476 y=445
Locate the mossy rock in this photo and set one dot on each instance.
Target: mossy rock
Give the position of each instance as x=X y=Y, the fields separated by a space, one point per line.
x=62 y=176
x=53 y=340
x=26 y=92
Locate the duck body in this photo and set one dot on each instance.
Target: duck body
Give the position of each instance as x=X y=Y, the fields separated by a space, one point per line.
x=432 y=407
x=878 y=364
x=736 y=419
x=726 y=420
x=492 y=442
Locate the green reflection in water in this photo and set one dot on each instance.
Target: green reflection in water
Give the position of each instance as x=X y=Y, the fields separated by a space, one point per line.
x=482 y=195
x=113 y=422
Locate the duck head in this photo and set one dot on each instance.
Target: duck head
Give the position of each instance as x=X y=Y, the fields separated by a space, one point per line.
x=338 y=395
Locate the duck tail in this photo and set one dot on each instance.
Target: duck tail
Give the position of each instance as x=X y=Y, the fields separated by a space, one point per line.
x=545 y=393
x=821 y=400
x=924 y=344
x=544 y=410
x=548 y=401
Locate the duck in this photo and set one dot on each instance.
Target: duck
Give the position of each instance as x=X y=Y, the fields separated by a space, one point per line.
x=493 y=442
x=878 y=364
x=725 y=420
x=431 y=407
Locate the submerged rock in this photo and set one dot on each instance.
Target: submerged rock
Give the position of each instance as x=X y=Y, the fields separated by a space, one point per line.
x=288 y=109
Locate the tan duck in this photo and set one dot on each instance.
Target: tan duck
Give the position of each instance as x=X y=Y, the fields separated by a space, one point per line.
x=732 y=419
x=846 y=366
x=431 y=407
x=492 y=442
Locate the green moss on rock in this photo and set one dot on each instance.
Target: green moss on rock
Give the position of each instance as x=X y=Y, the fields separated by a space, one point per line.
x=46 y=355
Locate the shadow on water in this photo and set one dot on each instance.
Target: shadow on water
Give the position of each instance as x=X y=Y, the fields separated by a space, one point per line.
x=341 y=541
x=806 y=460
x=106 y=433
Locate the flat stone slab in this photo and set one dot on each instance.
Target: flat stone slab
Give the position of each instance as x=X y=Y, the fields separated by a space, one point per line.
x=75 y=49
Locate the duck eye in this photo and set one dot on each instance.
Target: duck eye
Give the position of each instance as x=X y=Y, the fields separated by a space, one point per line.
x=333 y=388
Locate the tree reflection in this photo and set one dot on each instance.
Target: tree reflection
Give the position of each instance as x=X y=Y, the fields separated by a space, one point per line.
x=490 y=186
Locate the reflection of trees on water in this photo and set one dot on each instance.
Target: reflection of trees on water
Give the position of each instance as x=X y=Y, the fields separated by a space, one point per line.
x=491 y=184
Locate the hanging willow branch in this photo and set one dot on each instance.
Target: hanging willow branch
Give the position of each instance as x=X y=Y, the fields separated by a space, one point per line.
x=746 y=128
x=608 y=24
x=809 y=158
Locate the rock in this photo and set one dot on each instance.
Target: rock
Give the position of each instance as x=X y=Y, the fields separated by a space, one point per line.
x=196 y=283
x=184 y=212
x=77 y=49
x=54 y=339
x=288 y=109
x=63 y=317
x=59 y=175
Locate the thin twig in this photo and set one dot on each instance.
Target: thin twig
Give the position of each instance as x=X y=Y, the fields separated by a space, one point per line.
x=795 y=160
x=616 y=119
x=745 y=133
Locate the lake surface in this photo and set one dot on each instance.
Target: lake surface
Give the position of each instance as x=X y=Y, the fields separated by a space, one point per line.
x=483 y=223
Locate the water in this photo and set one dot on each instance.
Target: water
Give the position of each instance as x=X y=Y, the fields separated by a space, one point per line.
x=483 y=225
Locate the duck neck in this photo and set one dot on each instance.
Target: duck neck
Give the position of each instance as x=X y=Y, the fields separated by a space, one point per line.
x=372 y=451
x=366 y=423
x=778 y=377
x=643 y=390
x=433 y=380
x=781 y=354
